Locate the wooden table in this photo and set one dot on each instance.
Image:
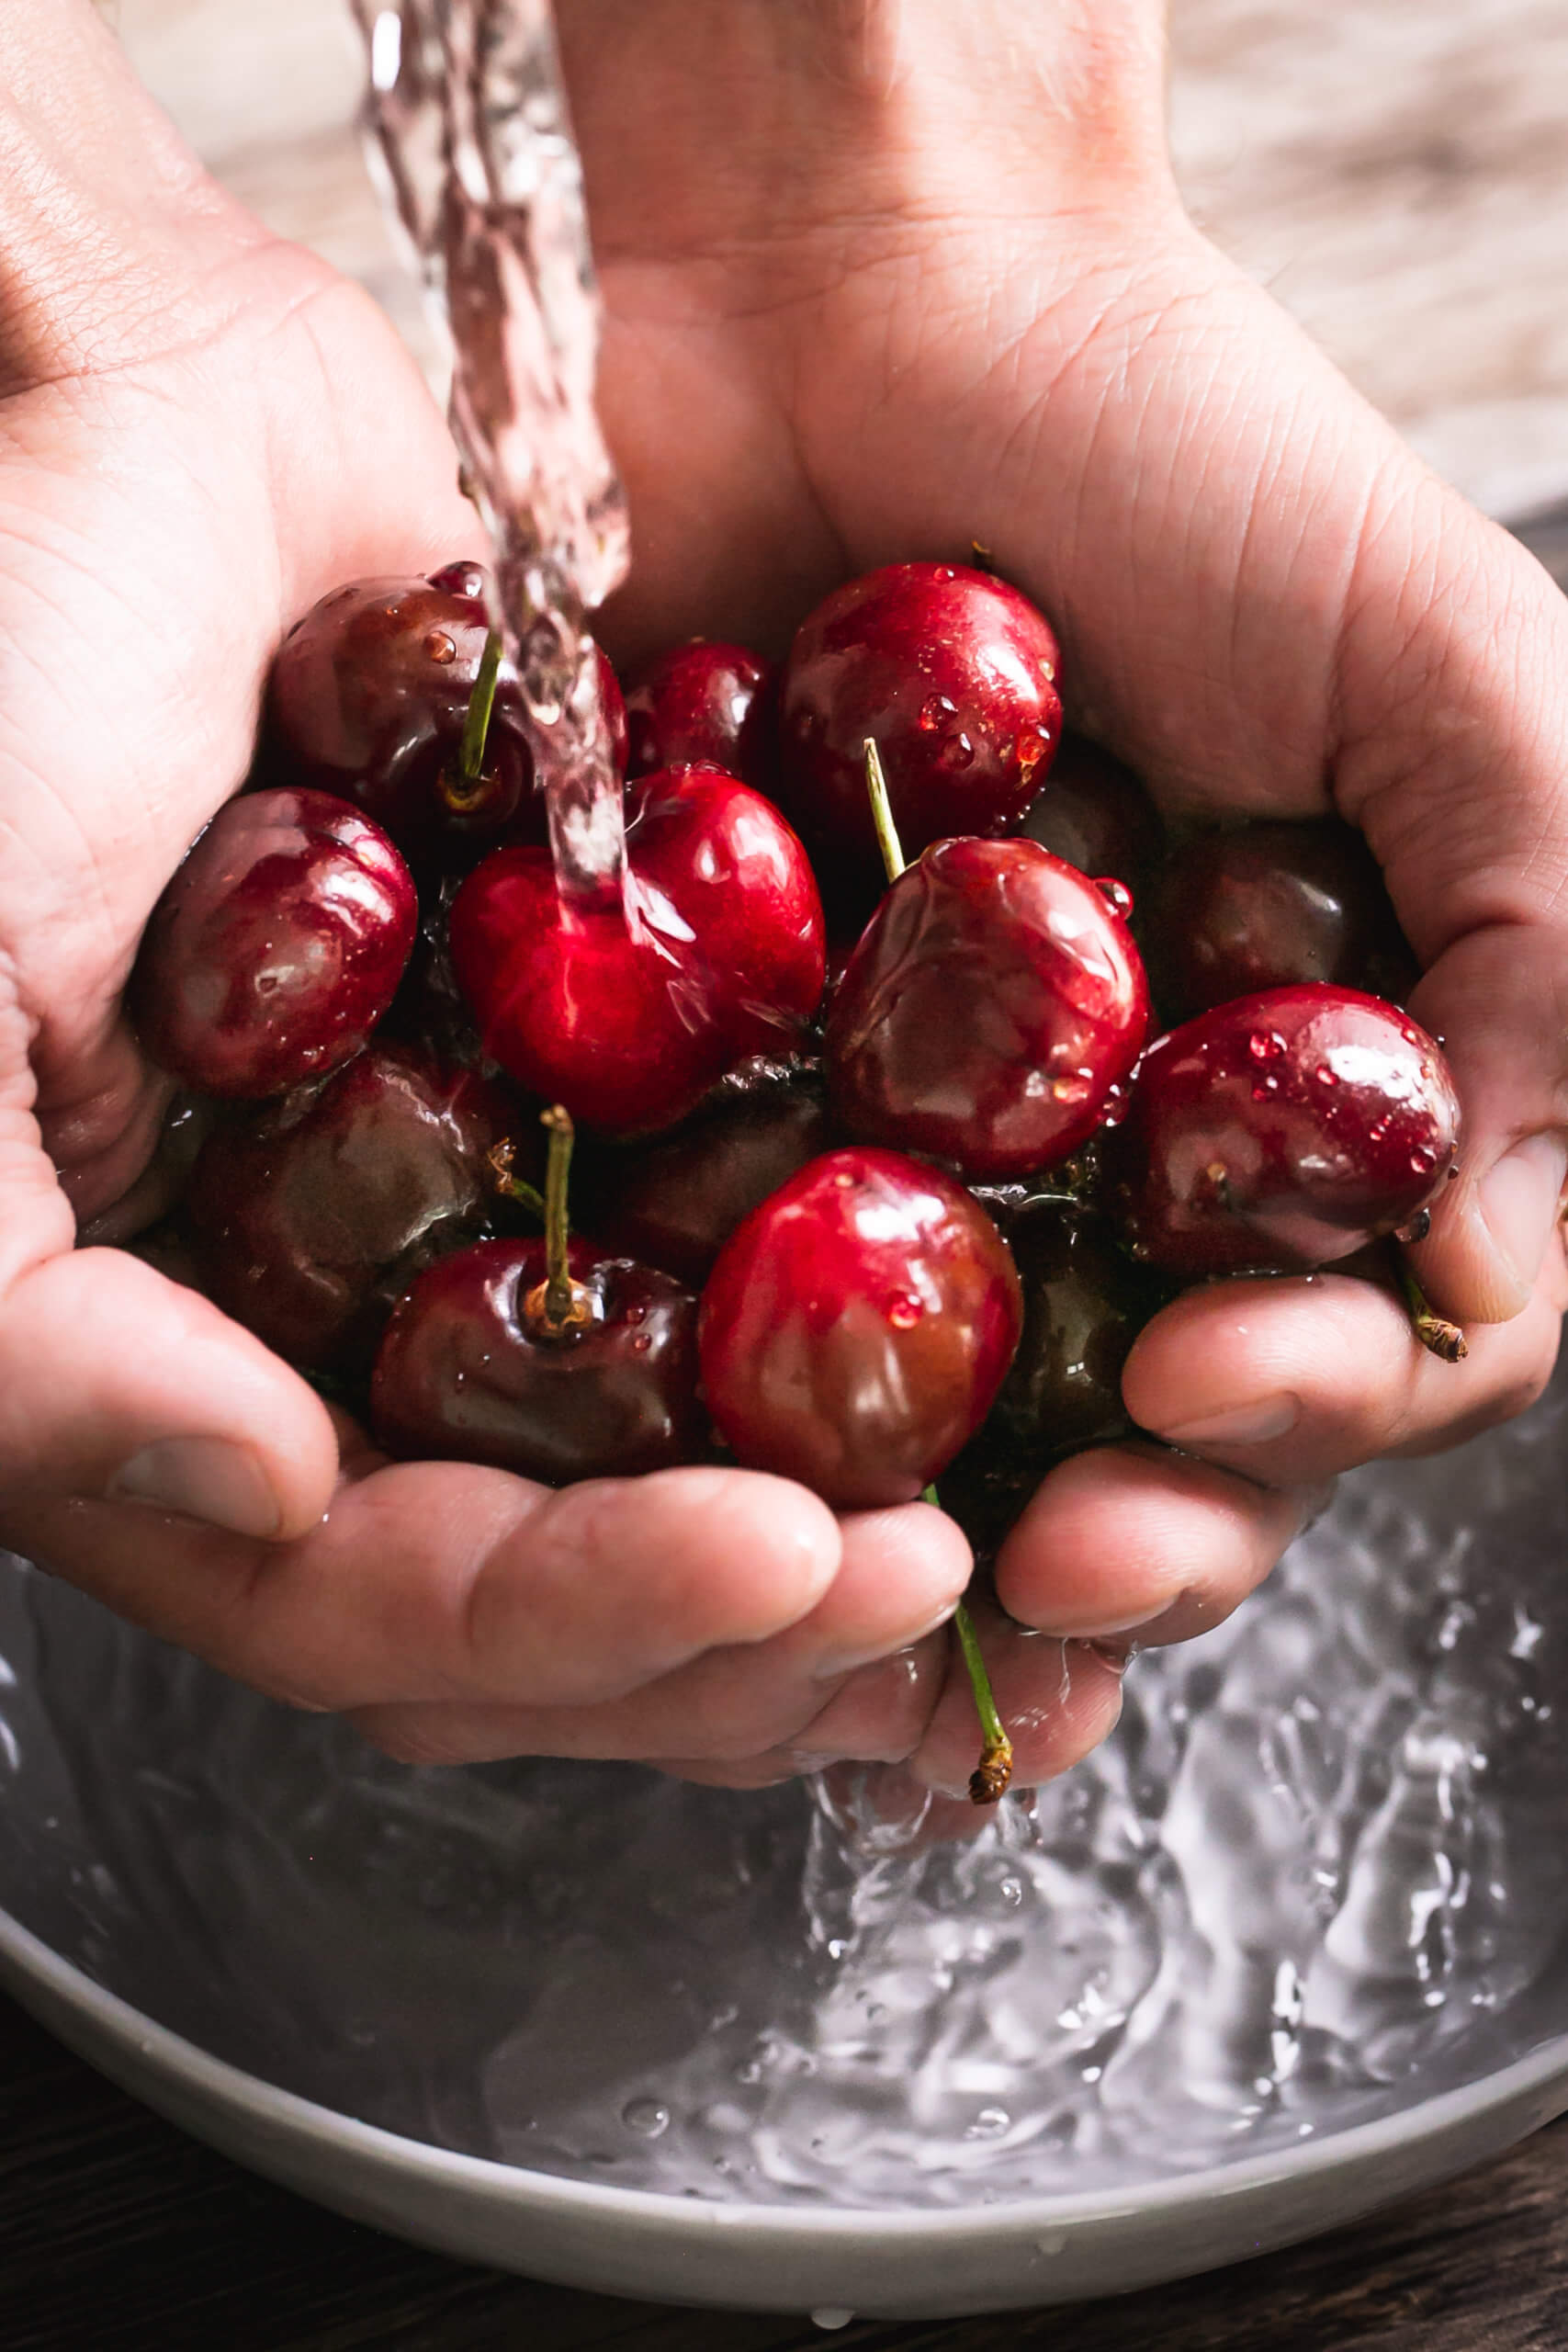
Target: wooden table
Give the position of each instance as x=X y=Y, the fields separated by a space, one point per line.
x=1401 y=176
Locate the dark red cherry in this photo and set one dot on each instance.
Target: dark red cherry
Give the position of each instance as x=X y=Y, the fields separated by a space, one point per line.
x=470 y=1370
x=1084 y=1304
x=857 y=1328
x=1268 y=906
x=707 y=703
x=277 y=947
x=314 y=1215
x=954 y=675
x=993 y=1008
x=675 y=1203
x=1286 y=1130
x=630 y=1022
x=368 y=698
x=1096 y=816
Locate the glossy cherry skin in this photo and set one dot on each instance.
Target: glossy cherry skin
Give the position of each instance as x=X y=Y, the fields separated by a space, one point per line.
x=1084 y=1304
x=315 y=1215
x=954 y=675
x=704 y=702
x=857 y=1328
x=1268 y=906
x=993 y=1008
x=277 y=947
x=1285 y=1131
x=464 y=1374
x=1096 y=816
x=675 y=1203
x=368 y=698
x=629 y=1023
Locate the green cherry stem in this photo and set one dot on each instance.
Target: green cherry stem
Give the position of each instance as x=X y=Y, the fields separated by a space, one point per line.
x=887 y=840
x=557 y=1306
x=989 y=1779
x=499 y=1160
x=467 y=789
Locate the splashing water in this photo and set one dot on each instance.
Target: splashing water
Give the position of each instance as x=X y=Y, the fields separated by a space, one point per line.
x=472 y=142
x=1316 y=1875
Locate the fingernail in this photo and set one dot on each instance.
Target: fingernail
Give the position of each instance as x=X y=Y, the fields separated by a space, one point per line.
x=1520 y=1199
x=851 y=1661
x=204 y=1477
x=1248 y=1425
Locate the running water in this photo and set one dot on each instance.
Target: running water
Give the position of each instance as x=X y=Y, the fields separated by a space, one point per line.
x=470 y=131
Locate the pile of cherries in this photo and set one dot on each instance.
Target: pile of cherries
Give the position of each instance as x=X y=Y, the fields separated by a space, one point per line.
x=880 y=1167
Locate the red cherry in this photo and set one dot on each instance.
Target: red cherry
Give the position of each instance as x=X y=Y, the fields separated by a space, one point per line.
x=675 y=1203
x=1094 y=815
x=316 y=1214
x=954 y=675
x=629 y=1023
x=857 y=1326
x=368 y=698
x=993 y=1008
x=277 y=947
x=1286 y=1130
x=707 y=703
x=1268 y=906
x=470 y=1370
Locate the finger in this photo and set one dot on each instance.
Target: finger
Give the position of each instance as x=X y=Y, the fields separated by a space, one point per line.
x=1294 y=1381
x=1056 y=1699
x=1456 y=719
x=1499 y=1000
x=732 y=1719
x=1125 y=1543
x=855 y=1676
x=439 y=1581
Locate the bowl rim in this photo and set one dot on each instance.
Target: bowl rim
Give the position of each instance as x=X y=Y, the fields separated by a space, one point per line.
x=27 y=1958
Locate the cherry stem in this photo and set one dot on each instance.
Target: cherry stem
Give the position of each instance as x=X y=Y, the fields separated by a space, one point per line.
x=1435 y=1332
x=557 y=1306
x=887 y=840
x=989 y=1779
x=481 y=702
x=499 y=1160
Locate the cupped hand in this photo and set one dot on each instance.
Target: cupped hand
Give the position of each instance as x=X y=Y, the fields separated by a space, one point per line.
x=200 y=431
x=924 y=279
x=924 y=275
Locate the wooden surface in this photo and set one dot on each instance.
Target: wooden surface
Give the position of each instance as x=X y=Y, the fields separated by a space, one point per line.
x=119 y=2234
x=1399 y=173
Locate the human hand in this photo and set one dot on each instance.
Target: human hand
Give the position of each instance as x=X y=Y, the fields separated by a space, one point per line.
x=200 y=431
x=925 y=276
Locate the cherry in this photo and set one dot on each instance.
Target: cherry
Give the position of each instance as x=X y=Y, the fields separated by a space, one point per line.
x=994 y=1007
x=277 y=947
x=314 y=1215
x=857 y=1328
x=628 y=1019
x=674 y=1204
x=1283 y=1131
x=1084 y=1304
x=952 y=674
x=549 y=1358
x=1094 y=815
x=370 y=697
x=1266 y=905
x=705 y=703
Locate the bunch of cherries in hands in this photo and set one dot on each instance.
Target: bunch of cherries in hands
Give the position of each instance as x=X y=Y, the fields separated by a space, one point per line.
x=882 y=1166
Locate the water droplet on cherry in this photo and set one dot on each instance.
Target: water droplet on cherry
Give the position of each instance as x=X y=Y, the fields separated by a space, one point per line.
x=441 y=648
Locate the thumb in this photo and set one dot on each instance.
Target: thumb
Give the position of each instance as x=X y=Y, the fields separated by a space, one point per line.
x=114 y=1380
x=1455 y=765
